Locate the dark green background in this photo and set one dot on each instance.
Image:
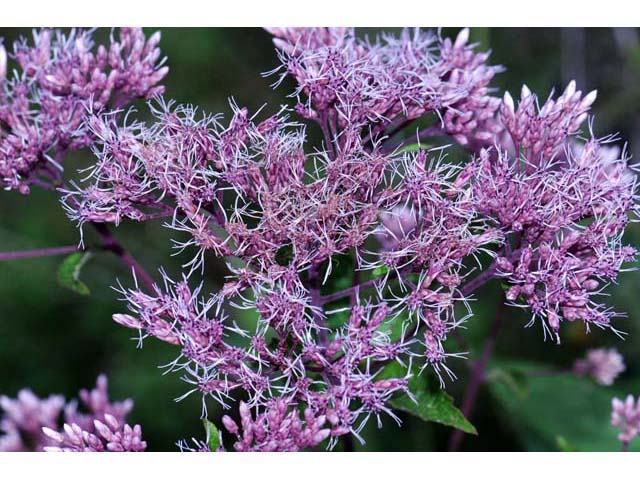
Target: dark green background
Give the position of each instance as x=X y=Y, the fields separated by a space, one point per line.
x=54 y=340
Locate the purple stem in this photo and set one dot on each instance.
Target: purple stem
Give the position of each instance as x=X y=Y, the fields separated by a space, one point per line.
x=478 y=281
x=111 y=243
x=347 y=292
x=467 y=289
x=330 y=147
x=40 y=252
x=316 y=302
x=478 y=375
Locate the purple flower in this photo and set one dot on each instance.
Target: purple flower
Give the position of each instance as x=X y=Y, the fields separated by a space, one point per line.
x=59 y=80
x=543 y=208
x=564 y=203
x=250 y=192
x=23 y=419
x=625 y=415
x=539 y=132
x=110 y=436
x=604 y=365
x=97 y=403
x=31 y=423
x=276 y=430
x=348 y=82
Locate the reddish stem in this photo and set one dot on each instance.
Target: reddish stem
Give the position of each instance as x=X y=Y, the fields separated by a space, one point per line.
x=39 y=252
x=478 y=375
x=111 y=243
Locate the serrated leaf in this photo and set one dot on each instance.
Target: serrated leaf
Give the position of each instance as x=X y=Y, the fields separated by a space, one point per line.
x=213 y=436
x=431 y=403
x=69 y=272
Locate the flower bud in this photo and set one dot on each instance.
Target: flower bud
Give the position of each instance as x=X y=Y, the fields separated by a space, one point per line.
x=230 y=425
x=127 y=320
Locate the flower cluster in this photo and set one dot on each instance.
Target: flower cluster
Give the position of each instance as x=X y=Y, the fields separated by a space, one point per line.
x=275 y=430
x=275 y=376
x=112 y=436
x=250 y=192
x=31 y=423
x=370 y=86
x=23 y=419
x=563 y=205
x=602 y=364
x=61 y=78
x=544 y=208
x=625 y=415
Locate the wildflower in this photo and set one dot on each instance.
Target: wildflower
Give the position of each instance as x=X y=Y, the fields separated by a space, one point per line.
x=31 y=423
x=294 y=213
x=109 y=436
x=625 y=415
x=393 y=79
x=23 y=419
x=546 y=209
x=565 y=202
x=276 y=430
x=604 y=365
x=61 y=78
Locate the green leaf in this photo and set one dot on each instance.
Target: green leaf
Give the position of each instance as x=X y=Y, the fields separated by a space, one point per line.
x=213 y=436
x=558 y=405
x=380 y=271
x=564 y=445
x=431 y=403
x=413 y=147
x=69 y=272
x=515 y=379
x=435 y=407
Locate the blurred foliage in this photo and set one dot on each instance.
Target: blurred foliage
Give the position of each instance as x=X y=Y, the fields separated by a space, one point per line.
x=54 y=340
x=571 y=411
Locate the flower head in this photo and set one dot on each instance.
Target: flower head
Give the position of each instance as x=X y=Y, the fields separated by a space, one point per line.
x=60 y=79
x=23 y=419
x=625 y=415
x=544 y=207
x=31 y=423
x=603 y=364
x=112 y=436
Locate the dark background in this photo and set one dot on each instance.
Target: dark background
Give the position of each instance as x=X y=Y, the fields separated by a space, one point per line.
x=56 y=341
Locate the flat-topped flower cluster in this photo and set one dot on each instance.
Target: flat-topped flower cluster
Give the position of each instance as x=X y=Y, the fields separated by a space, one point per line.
x=534 y=203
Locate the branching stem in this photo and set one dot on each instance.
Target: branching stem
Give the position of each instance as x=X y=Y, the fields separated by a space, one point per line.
x=478 y=375
x=39 y=252
x=111 y=244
